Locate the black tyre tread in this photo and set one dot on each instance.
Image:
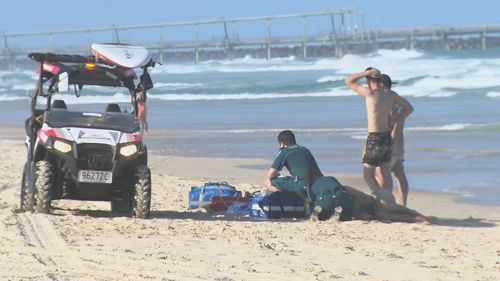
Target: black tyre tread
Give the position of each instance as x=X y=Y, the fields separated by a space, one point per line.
x=26 y=197
x=43 y=186
x=142 y=193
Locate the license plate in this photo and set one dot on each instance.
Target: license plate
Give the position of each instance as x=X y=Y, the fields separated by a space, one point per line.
x=95 y=176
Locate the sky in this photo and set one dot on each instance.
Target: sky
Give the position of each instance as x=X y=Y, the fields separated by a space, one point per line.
x=34 y=15
x=24 y=15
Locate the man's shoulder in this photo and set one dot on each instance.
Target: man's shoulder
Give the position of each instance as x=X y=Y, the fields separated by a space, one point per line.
x=394 y=93
x=292 y=148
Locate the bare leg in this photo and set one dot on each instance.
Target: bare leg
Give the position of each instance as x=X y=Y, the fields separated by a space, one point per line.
x=145 y=125
x=399 y=173
x=396 y=208
x=369 y=176
x=399 y=217
x=396 y=212
x=386 y=178
x=378 y=176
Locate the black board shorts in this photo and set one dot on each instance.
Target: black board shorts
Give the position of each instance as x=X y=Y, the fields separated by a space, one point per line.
x=377 y=149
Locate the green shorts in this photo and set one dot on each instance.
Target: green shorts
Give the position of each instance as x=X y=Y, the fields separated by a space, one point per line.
x=289 y=184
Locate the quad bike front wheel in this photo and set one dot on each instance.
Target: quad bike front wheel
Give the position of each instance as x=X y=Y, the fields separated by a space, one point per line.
x=141 y=203
x=43 y=186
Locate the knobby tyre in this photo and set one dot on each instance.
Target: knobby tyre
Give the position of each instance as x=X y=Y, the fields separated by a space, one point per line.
x=43 y=186
x=142 y=193
x=27 y=194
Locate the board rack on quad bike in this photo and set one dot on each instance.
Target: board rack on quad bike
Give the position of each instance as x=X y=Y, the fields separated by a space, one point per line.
x=80 y=155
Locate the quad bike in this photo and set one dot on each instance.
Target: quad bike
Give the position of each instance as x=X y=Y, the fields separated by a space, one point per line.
x=98 y=155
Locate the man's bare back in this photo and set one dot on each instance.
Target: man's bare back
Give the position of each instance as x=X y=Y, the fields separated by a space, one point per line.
x=379 y=104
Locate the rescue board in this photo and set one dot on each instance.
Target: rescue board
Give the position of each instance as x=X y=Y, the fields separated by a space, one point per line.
x=128 y=56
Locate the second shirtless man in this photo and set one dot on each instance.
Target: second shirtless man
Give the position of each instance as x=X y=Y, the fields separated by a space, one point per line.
x=377 y=152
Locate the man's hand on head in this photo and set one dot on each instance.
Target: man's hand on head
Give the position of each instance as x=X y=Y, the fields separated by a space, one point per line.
x=373 y=73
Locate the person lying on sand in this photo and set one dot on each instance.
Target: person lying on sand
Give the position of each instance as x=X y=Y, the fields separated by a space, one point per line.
x=383 y=207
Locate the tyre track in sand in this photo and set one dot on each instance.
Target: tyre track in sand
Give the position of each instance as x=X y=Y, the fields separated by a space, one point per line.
x=36 y=233
x=63 y=261
x=4 y=187
x=51 y=250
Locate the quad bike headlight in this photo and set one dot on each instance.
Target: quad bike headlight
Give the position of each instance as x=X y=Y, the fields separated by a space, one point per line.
x=62 y=146
x=128 y=150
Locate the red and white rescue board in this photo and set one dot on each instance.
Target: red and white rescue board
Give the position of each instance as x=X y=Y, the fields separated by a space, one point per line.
x=122 y=55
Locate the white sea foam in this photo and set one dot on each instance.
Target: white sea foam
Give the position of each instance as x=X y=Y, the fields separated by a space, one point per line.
x=470 y=80
x=438 y=77
x=358 y=137
x=247 y=65
x=452 y=127
x=356 y=133
x=24 y=87
x=248 y=96
x=330 y=78
x=95 y=99
x=493 y=94
x=125 y=98
x=12 y=98
x=99 y=89
x=401 y=54
x=19 y=72
x=298 y=130
x=460 y=193
x=419 y=75
x=176 y=86
x=433 y=92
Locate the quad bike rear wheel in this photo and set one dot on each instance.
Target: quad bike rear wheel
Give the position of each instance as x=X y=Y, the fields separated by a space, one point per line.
x=43 y=186
x=27 y=194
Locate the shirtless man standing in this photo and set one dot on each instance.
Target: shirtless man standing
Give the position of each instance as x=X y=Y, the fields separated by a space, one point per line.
x=379 y=104
x=397 y=156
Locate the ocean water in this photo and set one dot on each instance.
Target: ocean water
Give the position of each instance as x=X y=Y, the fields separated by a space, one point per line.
x=236 y=109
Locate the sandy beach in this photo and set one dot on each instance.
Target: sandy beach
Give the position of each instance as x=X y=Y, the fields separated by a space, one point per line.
x=85 y=241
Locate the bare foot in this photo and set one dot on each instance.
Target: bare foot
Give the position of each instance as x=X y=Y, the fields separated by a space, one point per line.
x=314 y=216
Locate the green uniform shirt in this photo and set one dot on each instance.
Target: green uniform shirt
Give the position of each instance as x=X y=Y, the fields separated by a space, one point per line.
x=300 y=163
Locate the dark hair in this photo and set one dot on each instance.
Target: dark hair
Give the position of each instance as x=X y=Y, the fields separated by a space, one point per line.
x=113 y=107
x=372 y=79
x=386 y=81
x=286 y=137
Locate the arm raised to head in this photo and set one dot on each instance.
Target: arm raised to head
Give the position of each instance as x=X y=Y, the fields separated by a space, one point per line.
x=352 y=81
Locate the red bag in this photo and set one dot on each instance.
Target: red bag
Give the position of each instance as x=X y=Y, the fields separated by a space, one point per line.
x=221 y=203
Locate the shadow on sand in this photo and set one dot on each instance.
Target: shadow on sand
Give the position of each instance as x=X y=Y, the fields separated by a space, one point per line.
x=204 y=216
x=468 y=222
x=175 y=215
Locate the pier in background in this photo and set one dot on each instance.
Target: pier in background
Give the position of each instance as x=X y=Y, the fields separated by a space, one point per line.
x=337 y=32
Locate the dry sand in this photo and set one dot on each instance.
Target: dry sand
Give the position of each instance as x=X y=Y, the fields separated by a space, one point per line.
x=84 y=241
